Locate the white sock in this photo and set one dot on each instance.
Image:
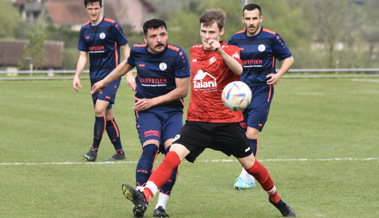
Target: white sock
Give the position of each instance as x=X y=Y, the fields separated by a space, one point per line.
x=162 y=200
x=245 y=175
x=153 y=188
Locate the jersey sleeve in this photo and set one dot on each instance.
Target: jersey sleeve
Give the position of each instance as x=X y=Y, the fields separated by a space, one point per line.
x=280 y=49
x=82 y=46
x=131 y=60
x=182 y=68
x=119 y=34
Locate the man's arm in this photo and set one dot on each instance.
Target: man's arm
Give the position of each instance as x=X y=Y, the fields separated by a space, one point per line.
x=232 y=63
x=179 y=92
x=82 y=61
x=286 y=65
x=121 y=70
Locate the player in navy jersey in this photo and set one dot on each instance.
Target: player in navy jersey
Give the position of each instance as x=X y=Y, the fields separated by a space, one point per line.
x=101 y=39
x=160 y=85
x=209 y=123
x=259 y=49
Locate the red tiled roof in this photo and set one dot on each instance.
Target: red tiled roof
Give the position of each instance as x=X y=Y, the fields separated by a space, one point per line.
x=68 y=12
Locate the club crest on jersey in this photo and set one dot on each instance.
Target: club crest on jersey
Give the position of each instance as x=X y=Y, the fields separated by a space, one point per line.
x=261 y=47
x=102 y=35
x=163 y=66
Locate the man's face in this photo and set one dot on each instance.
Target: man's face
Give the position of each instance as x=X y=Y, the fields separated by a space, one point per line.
x=156 y=40
x=252 y=22
x=208 y=33
x=93 y=11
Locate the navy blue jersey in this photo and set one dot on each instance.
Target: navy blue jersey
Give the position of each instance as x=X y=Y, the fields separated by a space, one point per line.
x=258 y=54
x=156 y=73
x=103 y=43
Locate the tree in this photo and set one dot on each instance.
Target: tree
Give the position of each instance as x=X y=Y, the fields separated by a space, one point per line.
x=9 y=19
x=34 y=52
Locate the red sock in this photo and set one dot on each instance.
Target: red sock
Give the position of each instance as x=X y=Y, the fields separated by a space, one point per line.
x=260 y=173
x=162 y=174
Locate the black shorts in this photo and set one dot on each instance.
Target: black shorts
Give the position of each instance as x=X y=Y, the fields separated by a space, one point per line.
x=228 y=138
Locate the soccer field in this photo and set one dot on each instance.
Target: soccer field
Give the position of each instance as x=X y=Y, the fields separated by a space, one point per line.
x=320 y=146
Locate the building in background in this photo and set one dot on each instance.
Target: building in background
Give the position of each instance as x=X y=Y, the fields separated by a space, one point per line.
x=130 y=14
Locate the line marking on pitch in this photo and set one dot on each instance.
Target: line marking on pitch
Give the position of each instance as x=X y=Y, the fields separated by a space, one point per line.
x=199 y=161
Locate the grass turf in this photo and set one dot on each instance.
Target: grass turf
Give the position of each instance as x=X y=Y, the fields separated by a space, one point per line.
x=317 y=146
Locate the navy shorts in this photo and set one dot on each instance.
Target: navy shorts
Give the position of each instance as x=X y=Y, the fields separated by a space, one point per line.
x=228 y=138
x=108 y=93
x=161 y=124
x=256 y=114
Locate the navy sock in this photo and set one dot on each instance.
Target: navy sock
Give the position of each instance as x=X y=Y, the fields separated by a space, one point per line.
x=98 y=132
x=145 y=164
x=254 y=145
x=167 y=187
x=114 y=135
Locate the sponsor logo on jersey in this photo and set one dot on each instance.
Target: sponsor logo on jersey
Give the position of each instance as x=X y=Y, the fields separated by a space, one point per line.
x=205 y=82
x=96 y=49
x=252 y=63
x=152 y=133
x=163 y=66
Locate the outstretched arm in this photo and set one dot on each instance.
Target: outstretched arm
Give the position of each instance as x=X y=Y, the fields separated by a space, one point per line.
x=179 y=92
x=130 y=80
x=121 y=70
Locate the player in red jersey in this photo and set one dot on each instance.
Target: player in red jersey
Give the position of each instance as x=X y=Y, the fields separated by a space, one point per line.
x=209 y=123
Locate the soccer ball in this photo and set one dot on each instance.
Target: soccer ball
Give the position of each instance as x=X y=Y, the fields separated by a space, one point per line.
x=236 y=96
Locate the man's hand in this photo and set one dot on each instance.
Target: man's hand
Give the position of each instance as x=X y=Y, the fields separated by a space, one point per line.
x=97 y=87
x=274 y=79
x=142 y=104
x=131 y=81
x=76 y=83
x=215 y=45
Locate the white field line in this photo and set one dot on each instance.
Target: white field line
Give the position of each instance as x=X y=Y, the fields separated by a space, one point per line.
x=199 y=161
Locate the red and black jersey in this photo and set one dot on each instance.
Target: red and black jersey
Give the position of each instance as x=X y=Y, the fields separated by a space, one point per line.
x=209 y=76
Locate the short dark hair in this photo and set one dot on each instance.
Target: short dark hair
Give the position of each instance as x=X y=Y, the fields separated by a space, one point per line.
x=153 y=24
x=252 y=6
x=210 y=16
x=92 y=1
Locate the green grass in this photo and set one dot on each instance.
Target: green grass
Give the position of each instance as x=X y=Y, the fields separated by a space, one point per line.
x=47 y=126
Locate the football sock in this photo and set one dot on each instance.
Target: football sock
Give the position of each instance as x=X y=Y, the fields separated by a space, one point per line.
x=161 y=175
x=261 y=175
x=98 y=132
x=162 y=200
x=145 y=164
x=254 y=146
x=167 y=187
x=114 y=135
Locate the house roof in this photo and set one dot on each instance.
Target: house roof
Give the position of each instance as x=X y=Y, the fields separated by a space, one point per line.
x=66 y=12
x=71 y=12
